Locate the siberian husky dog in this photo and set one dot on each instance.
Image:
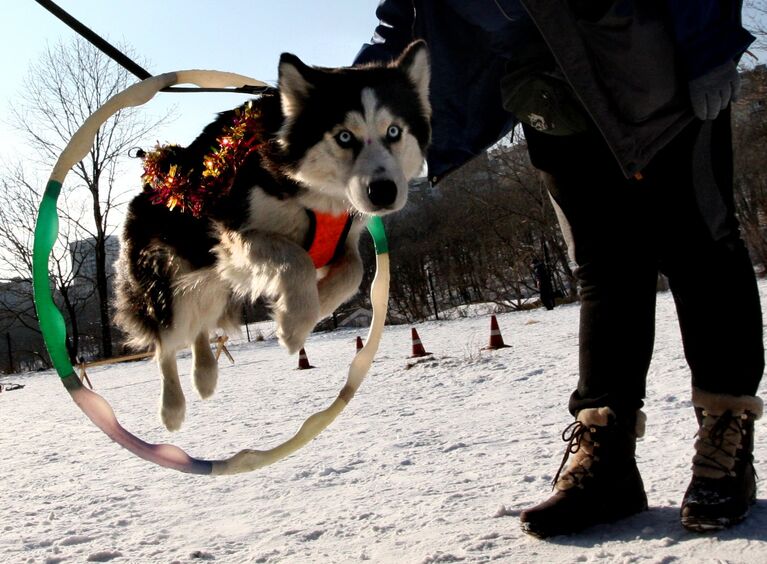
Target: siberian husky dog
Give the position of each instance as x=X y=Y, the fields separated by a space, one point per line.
x=269 y=201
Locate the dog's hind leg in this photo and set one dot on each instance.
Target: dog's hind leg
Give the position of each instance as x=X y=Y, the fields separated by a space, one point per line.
x=204 y=366
x=172 y=401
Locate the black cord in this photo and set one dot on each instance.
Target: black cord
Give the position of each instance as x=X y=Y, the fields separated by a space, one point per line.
x=96 y=39
x=126 y=62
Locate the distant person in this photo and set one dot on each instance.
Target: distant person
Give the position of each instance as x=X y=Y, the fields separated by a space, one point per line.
x=625 y=106
x=543 y=283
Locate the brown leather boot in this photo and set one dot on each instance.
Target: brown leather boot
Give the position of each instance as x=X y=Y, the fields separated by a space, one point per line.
x=723 y=485
x=601 y=484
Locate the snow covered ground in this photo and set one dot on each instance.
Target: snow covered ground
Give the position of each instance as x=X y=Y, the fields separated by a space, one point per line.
x=430 y=464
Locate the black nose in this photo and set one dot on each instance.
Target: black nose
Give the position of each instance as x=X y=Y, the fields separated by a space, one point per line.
x=382 y=193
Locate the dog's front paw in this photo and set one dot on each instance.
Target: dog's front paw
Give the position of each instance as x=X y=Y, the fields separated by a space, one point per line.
x=292 y=330
x=341 y=283
x=331 y=298
x=205 y=378
x=172 y=410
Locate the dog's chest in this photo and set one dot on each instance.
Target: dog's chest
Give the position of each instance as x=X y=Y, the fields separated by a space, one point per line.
x=285 y=217
x=271 y=221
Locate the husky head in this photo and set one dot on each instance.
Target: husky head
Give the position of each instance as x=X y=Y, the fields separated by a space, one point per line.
x=356 y=136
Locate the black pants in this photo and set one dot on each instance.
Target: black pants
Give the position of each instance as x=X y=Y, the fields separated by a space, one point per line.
x=677 y=219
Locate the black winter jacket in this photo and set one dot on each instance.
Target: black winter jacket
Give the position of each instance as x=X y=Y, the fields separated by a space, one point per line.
x=628 y=62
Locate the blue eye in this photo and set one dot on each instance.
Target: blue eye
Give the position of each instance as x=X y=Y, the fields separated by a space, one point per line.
x=344 y=139
x=393 y=133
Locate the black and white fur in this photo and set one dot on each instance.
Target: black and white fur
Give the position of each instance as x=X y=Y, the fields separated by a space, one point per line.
x=336 y=139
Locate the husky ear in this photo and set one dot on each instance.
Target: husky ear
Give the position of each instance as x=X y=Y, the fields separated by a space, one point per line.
x=294 y=83
x=415 y=62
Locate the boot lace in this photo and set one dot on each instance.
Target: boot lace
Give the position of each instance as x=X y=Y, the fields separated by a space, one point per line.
x=575 y=435
x=719 y=440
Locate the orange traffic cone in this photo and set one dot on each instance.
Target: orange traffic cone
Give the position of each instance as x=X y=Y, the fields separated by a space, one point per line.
x=303 y=362
x=418 y=349
x=496 y=340
x=359 y=344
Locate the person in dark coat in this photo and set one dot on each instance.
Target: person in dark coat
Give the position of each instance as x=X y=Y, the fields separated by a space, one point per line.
x=625 y=107
x=543 y=283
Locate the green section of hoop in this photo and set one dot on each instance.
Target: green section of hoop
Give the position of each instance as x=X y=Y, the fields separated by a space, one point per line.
x=51 y=321
x=376 y=229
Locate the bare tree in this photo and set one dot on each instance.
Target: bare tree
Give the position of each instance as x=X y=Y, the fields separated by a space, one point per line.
x=516 y=221
x=750 y=147
x=17 y=225
x=475 y=237
x=68 y=83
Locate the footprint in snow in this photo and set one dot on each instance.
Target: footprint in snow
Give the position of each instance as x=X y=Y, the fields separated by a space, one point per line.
x=456 y=446
x=75 y=539
x=104 y=556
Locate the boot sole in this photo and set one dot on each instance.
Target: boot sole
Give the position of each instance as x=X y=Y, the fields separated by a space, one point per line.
x=530 y=530
x=542 y=533
x=698 y=525
x=703 y=525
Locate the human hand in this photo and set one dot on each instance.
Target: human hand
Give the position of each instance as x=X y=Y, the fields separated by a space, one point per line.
x=713 y=92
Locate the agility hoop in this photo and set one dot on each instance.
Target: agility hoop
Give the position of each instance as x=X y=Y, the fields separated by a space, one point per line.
x=53 y=327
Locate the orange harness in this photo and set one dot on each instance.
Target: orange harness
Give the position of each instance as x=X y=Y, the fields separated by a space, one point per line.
x=326 y=237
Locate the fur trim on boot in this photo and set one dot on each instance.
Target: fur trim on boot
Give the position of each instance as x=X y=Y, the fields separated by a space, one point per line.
x=723 y=486
x=717 y=404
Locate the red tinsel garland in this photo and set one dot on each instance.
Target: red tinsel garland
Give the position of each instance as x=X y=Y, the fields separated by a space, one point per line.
x=191 y=190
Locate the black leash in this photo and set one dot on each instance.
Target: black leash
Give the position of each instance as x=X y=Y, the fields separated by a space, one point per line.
x=123 y=60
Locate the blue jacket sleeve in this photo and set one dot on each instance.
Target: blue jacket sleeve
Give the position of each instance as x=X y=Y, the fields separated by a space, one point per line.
x=708 y=33
x=394 y=32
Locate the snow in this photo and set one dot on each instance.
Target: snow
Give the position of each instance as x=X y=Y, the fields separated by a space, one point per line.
x=427 y=464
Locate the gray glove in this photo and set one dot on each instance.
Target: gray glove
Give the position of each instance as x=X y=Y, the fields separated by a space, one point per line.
x=712 y=92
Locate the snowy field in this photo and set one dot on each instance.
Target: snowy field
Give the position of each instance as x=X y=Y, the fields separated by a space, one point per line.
x=430 y=464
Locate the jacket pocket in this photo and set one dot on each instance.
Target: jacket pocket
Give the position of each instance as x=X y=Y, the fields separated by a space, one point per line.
x=633 y=56
x=544 y=101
